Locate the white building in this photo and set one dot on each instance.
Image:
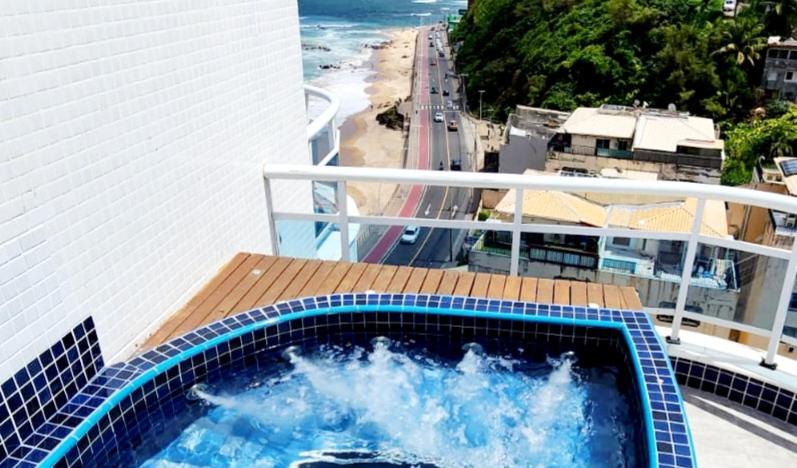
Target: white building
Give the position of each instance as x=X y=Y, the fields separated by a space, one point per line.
x=132 y=138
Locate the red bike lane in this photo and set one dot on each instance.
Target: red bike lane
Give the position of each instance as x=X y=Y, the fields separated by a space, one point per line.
x=410 y=206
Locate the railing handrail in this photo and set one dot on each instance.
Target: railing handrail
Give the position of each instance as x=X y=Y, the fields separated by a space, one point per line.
x=319 y=123
x=742 y=196
x=692 y=238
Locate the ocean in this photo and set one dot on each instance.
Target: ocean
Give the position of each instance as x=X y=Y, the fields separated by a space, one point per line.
x=337 y=34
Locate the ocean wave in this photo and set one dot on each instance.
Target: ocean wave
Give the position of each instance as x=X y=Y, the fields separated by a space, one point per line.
x=424 y=1
x=428 y=13
x=327 y=26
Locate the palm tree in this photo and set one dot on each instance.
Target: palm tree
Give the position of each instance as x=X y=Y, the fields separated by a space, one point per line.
x=742 y=40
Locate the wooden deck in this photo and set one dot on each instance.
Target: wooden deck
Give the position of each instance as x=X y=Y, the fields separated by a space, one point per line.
x=253 y=280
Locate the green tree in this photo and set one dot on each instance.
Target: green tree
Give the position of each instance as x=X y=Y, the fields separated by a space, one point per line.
x=742 y=40
x=782 y=17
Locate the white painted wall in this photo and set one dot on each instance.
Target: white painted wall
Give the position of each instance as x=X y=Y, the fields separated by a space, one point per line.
x=132 y=136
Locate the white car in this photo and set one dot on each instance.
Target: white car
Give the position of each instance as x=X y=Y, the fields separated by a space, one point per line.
x=729 y=5
x=410 y=234
x=438 y=117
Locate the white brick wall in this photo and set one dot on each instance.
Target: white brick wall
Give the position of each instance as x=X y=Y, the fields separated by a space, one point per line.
x=131 y=140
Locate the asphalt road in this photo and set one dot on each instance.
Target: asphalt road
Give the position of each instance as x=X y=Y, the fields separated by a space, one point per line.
x=433 y=246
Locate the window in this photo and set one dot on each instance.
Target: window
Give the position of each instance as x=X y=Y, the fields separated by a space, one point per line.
x=793 y=55
x=622 y=145
x=621 y=241
x=602 y=143
x=790 y=76
x=618 y=265
x=788 y=167
x=772 y=53
x=772 y=76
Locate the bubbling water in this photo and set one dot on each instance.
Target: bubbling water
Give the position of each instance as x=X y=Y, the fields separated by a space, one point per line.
x=407 y=407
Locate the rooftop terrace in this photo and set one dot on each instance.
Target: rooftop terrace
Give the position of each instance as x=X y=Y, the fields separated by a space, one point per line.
x=727 y=433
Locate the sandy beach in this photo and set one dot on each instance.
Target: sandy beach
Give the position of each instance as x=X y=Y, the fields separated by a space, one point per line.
x=366 y=143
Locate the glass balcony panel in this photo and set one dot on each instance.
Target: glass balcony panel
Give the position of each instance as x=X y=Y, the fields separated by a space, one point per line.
x=736 y=286
x=489 y=251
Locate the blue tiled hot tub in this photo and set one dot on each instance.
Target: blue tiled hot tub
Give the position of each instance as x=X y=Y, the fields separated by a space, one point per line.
x=110 y=418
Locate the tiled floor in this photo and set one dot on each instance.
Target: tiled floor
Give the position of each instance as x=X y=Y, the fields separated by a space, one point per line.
x=253 y=280
x=729 y=435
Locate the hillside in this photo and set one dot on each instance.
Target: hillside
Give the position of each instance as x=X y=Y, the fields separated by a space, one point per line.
x=562 y=54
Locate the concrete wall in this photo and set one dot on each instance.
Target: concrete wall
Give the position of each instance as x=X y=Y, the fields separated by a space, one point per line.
x=133 y=135
x=556 y=161
x=522 y=153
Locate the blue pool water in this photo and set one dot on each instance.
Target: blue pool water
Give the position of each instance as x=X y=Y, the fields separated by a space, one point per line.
x=390 y=403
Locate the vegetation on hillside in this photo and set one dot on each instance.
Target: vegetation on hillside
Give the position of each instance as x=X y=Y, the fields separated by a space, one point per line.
x=562 y=54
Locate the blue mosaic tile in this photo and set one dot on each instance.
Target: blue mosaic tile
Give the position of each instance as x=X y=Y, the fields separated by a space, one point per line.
x=34 y=394
x=373 y=312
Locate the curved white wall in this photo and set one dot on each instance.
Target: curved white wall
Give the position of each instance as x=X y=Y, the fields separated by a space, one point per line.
x=132 y=136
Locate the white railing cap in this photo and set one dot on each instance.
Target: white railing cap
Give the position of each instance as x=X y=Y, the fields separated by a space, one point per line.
x=319 y=123
x=533 y=182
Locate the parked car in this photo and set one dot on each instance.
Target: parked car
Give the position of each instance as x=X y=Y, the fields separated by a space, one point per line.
x=438 y=117
x=452 y=126
x=410 y=235
x=431 y=44
x=433 y=90
x=456 y=165
x=729 y=5
x=449 y=104
x=441 y=54
x=445 y=93
x=434 y=63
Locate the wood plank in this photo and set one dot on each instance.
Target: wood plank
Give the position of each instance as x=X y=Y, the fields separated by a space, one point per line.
x=578 y=293
x=333 y=279
x=250 y=299
x=611 y=296
x=350 y=280
x=495 y=290
x=226 y=306
x=545 y=291
x=595 y=294
x=561 y=292
x=367 y=278
x=528 y=290
x=165 y=331
x=282 y=282
x=512 y=288
x=299 y=281
x=319 y=276
x=415 y=281
x=383 y=278
x=631 y=298
x=399 y=280
x=448 y=283
x=432 y=281
x=464 y=283
x=480 y=284
x=198 y=317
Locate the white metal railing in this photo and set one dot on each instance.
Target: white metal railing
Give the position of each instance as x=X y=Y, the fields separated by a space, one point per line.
x=324 y=124
x=343 y=175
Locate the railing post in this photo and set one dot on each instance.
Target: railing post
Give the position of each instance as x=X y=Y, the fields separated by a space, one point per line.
x=272 y=226
x=783 y=309
x=343 y=221
x=517 y=221
x=686 y=273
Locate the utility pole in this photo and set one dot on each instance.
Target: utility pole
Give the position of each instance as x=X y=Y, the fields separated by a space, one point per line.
x=481 y=93
x=451 y=235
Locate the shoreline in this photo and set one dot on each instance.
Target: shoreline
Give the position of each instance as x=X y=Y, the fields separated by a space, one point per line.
x=366 y=143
